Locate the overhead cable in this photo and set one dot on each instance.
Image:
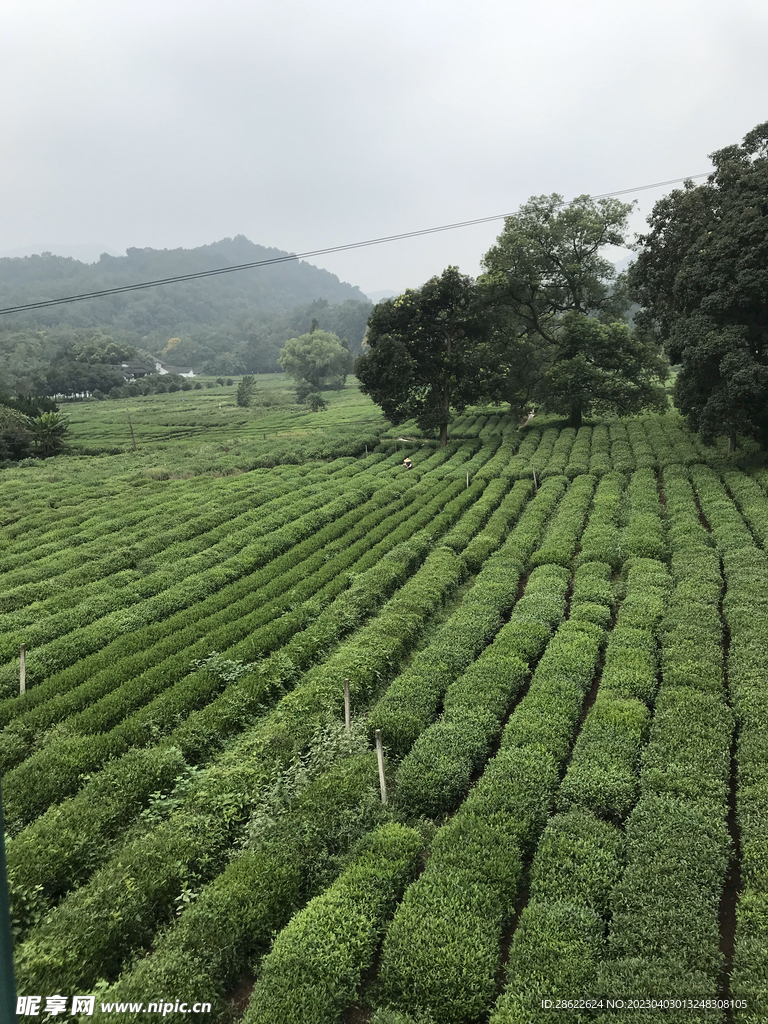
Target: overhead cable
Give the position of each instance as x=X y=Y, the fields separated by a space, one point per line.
x=291 y=257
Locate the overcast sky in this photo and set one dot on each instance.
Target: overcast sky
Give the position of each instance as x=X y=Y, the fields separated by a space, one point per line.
x=311 y=123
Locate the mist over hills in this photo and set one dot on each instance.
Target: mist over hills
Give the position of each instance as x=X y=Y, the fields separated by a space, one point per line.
x=231 y=323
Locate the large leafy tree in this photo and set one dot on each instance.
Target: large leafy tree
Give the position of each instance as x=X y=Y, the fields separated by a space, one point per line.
x=565 y=311
x=702 y=278
x=318 y=359
x=424 y=355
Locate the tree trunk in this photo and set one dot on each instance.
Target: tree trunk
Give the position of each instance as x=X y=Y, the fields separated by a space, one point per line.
x=575 y=420
x=443 y=435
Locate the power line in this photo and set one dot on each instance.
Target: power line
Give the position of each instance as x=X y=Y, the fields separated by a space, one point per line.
x=43 y=303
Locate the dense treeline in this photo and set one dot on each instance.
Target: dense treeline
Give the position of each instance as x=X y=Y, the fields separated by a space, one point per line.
x=231 y=324
x=549 y=324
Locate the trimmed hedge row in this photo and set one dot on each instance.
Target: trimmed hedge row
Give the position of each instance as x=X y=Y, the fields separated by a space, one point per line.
x=165 y=651
x=561 y=451
x=745 y=607
x=61 y=849
x=541 y=457
x=81 y=583
x=437 y=771
x=602 y=774
x=601 y=541
x=54 y=772
x=559 y=942
x=622 y=456
x=218 y=503
x=65 y=638
x=631 y=659
x=547 y=717
x=411 y=702
x=666 y=937
x=751 y=501
x=562 y=536
x=230 y=603
x=671 y=444
x=600 y=457
x=578 y=463
x=233 y=919
x=641 y=447
x=313 y=971
x=643 y=535
x=441 y=953
x=83 y=939
x=483 y=544
x=83 y=556
x=559 y=939
x=520 y=465
x=686 y=446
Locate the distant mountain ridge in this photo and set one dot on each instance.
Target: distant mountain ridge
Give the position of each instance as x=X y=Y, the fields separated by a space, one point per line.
x=230 y=323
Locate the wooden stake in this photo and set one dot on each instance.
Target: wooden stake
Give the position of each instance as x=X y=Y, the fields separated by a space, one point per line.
x=131 y=426
x=380 y=755
x=366 y=451
x=22 y=668
x=535 y=484
x=347 y=715
x=467 y=478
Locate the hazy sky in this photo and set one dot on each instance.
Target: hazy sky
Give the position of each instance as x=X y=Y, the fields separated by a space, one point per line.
x=312 y=123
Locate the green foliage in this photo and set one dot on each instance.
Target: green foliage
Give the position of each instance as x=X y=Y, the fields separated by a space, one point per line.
x=234 y=324
x=566 y=329
x=15 y=435
x=604 y=369
x=579 y=860
x=602 y=775
x=315 y=361
x=557 y=948
x=441 y=951
x=438 y=769
x=314 y=969
x=49 y=433
x=701 y=277
x=245 y=392
x=423 y=357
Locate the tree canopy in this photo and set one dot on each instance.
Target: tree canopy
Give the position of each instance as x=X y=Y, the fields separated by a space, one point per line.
x=567 y=341
x=316 y=361
x=702 y=277
x=424 y=356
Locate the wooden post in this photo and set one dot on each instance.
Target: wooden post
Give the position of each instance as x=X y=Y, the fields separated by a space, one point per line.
x=131 y=426
x=467 y=478
x=366 y=451
x=22 y=668
x=347 y=715
x=380 y=755
x=535 y=484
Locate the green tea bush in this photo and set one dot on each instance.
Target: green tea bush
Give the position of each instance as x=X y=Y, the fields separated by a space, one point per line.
x=622 y=456
x=600 y=458
x=314 y=969
x=641 y=448
x=441 y=952
x=601 y=539
x=561 y=450
x=602 y=775
x=560 y=540
x=438 y=769
x=578 y=462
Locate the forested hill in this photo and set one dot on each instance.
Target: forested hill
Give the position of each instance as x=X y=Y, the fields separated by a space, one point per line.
x=232 y=323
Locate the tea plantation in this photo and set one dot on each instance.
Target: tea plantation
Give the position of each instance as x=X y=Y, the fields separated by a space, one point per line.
x=561 y=635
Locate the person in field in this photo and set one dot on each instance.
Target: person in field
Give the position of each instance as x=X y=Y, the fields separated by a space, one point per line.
x=407 y=463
